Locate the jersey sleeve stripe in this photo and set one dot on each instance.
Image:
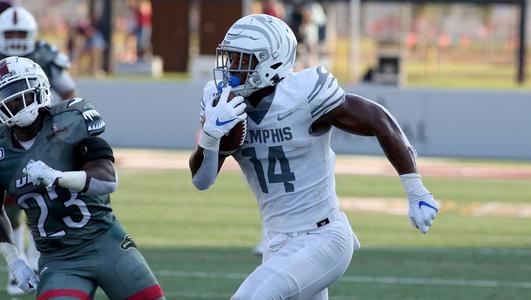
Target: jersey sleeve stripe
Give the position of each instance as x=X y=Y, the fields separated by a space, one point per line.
x=321 y=81
x=326 y=100
x=332 y=82
x=332 y=104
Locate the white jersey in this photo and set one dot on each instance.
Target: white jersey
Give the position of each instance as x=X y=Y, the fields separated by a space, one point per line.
x=291 y=170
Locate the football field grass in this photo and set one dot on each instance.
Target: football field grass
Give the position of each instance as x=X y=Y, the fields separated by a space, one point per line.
x=199 y=244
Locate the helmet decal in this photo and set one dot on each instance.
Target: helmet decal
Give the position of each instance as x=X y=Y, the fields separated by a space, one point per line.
x=266 y=49
x=24 y=89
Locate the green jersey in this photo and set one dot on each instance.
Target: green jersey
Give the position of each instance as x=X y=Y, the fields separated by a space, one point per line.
x=60 y=220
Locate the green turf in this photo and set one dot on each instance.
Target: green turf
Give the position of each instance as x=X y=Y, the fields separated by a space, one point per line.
x=199 y=243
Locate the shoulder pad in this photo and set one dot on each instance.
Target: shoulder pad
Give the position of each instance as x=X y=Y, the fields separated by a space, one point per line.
x=74 y=101
x=91 y=117
x=45 y=46
x=61 y=61
x=324 y=92
x=46 y=54
x=93 y=120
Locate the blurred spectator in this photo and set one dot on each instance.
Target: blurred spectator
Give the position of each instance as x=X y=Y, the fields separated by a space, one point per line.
x=297 y=21
x=273 y=8
x=308 y=21
x=143 y=29
x=315 y=33
x=91 y=54
x=319 y=18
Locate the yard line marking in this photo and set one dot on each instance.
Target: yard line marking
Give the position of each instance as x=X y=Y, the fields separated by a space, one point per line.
x=463 y=251
x=366 y=279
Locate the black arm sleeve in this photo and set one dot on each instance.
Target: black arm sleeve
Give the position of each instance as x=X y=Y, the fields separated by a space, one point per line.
x=92 y=148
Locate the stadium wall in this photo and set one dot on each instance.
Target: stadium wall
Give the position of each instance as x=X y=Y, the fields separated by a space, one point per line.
x=449 y=123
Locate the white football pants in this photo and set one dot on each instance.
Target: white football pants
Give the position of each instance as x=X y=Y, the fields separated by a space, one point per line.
x=301 y=265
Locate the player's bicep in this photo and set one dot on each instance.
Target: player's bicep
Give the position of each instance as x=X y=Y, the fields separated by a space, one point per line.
x=356 y=115
x=95 y=156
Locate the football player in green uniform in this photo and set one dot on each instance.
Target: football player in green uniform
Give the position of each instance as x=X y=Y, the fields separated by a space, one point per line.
x=18 y=30
x=18 y=33
x=58 y=169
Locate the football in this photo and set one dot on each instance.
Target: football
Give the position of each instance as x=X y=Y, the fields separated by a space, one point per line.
x=236 y=136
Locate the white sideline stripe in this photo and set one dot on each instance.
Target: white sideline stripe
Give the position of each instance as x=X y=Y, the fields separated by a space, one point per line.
x=366 y=279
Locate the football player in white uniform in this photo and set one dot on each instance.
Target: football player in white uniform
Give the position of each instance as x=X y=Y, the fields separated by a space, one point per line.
x=287 y=158
x=18 y=33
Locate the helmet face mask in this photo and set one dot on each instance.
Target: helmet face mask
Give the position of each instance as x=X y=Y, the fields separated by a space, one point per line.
x=18 y=32
x=269 y=45
x=24 y=89
x=237 y=68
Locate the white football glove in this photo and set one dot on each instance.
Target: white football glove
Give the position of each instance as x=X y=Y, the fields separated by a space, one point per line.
x=26 y=278
x=40 y=173
x=422 y=206
x=220 y=119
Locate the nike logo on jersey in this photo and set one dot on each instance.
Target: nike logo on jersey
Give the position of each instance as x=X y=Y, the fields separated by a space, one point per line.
x=2 y=153
x=127 y=243
x=74 y=101
x=221 y=123
x=422 y=203
x=281 y=117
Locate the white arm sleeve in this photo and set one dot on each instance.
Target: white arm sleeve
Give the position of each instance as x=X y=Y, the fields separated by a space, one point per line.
x=207 y=173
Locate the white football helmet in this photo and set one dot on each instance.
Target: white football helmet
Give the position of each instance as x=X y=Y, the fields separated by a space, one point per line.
x=21 y=20
x=24 y=89
x=264 y=38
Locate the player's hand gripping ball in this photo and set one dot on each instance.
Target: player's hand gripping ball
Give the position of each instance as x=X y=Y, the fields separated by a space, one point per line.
x=232 y=141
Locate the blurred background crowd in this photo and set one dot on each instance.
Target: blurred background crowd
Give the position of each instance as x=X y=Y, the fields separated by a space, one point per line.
x=398 y=42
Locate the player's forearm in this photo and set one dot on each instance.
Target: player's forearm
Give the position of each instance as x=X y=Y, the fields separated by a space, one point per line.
x=196 y=159
x=205 y=163
x=97 y=178
x=400 y=154
x=395 y=144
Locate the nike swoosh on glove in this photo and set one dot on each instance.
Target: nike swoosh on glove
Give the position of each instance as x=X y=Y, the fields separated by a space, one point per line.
x=422 y=211
x=26 y=278
x=422 y=206
x=220 y=119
